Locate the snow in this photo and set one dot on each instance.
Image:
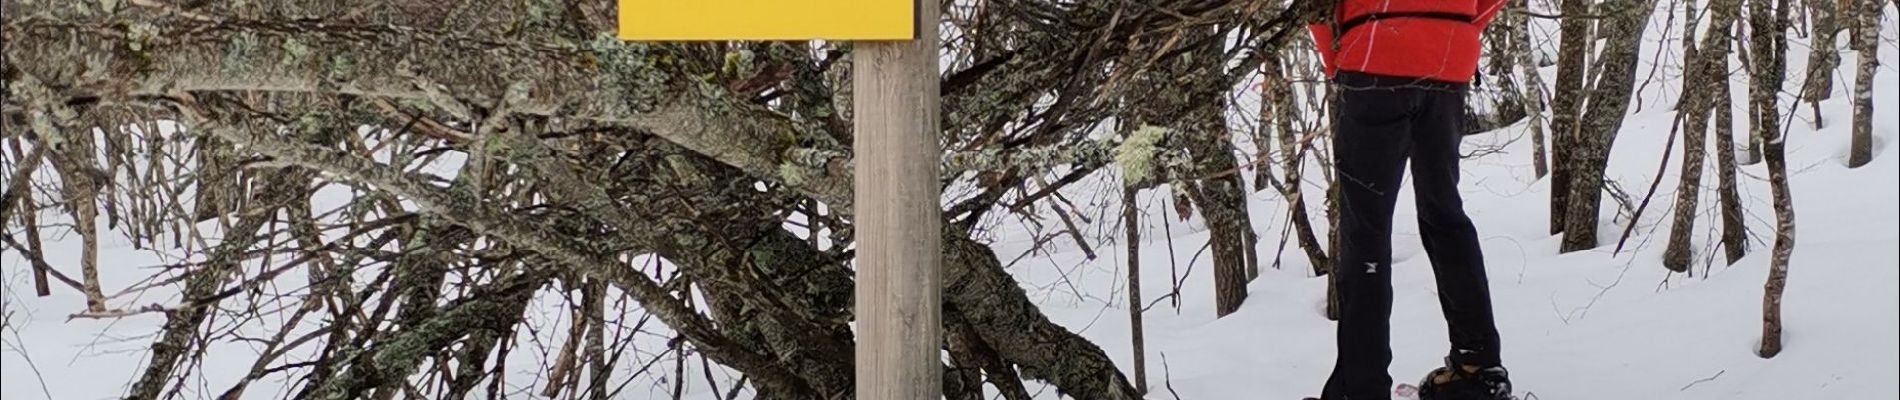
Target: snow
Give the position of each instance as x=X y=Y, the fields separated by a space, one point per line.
x=1593 y=324
x=1586 y=325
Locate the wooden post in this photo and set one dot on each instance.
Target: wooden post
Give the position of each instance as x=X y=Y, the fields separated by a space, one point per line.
x=899 y=251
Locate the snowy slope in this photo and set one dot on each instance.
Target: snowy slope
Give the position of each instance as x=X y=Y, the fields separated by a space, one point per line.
x=1586 y=325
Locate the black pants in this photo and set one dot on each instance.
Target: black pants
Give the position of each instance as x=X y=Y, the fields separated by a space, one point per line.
x=1384 y=121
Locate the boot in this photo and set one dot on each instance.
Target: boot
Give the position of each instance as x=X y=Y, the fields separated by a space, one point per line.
x=1465 y=382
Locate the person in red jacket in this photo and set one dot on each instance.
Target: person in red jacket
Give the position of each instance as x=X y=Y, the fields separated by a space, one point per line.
x=1403 y=68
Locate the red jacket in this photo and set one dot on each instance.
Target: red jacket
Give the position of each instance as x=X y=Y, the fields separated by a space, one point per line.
x=1407 y=46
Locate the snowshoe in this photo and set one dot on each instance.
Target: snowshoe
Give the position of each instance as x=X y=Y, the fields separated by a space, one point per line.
x=1404 y=391
x=1452 y=382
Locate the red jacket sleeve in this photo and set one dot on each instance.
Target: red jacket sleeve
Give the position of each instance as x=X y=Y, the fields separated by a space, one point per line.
x=1487 y=11
x=1323 y=42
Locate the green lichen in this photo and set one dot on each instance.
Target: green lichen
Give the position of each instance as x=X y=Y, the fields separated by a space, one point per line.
x=634 y=68
x=738 y=63
x=242 y=49
x=792 y=175
x=1136 y=156
x=536 y=11
x=295 y=50
x=341 y=65
x=139 y=36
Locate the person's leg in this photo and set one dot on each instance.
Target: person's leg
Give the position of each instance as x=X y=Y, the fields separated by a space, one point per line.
x=1369 y=146
x=1450 y=239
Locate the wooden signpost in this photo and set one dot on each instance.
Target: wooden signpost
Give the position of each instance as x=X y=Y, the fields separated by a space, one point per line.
x=895 y=192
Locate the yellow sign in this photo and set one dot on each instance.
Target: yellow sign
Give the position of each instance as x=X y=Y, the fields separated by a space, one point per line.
x=693 y=20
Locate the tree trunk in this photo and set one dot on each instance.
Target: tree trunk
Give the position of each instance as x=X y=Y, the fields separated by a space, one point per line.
x=14 y=195
x=1222 y=202
x=1678 y=254
x=1005 y=317
x=1767 y=43
x=1825 y=22
x=1566 y=107
x=1867 y=45
x=1190 y=99
x=218 y=187
x=1767 y=63
x=1694 y=119
x=1333 y=100
x=594 y=309
x=1222 y=205
x=1332 y=245
x=1292 y=157
x=1704 y=70
x=1734 y=228
x=1131 y=225
x=1774 y=147
x=1266 y=123
x=41 y=287
x=1783 y=251
x=1690 y=20
x=76 y=164
x=964 y=379
x=1609 y=102
x=1534 y=92
x=1509 y=106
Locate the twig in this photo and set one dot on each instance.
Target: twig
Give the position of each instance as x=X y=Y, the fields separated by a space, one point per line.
x=21 y=348
x=1304 y=140
x=1174 y=292
x=1660 y=170
x=1074 y=233
x=117 y=313
x=21 y=175
x=1535 y=14
x=1151 y=305
x=1167 y=378
x=39 y=263
x=706 y=365
x=734 y=393
x=1052 y=187
x=1718 y=374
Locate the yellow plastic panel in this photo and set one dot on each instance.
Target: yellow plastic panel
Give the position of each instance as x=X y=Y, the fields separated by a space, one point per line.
x=694 y=20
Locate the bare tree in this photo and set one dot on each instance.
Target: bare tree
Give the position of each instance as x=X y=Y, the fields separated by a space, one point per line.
x=1279 y=104
x=1867 y=46
x=1131 y=227
x=1705 y=70
x=1567 y=107
x=1508 y=105
x=1767 y=48
x=1333 y=99
x=72 y=156
x=1188 y=95
x=1734 y=228
x=1825 y=24
x=1608 y=102
x=1520 y=54
x=14 y=196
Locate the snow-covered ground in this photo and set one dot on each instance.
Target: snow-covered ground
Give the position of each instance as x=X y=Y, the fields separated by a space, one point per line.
x=1583 y=325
